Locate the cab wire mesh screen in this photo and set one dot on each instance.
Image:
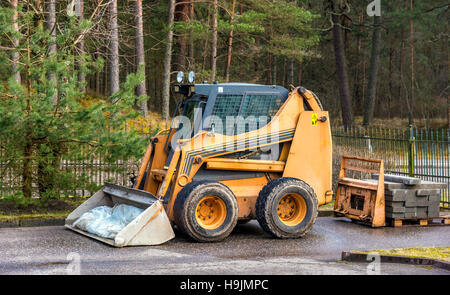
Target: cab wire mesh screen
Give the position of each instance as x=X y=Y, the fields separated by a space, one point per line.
x=255 y=109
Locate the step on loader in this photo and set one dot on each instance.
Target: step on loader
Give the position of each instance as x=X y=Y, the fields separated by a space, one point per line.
x=237 y=152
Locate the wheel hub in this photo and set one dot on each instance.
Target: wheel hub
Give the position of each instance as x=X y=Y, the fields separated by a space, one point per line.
x=291 y=209
x=210 y=212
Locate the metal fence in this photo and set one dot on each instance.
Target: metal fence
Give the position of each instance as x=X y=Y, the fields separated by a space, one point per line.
x=422 y=153
x=84 y=173
x=414 y=152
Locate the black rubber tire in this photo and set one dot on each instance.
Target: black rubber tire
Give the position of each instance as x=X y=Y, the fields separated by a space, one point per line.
x=186 y=204
x=267 y=202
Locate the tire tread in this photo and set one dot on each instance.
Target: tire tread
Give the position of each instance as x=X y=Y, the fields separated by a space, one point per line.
x=262 y=210
x=181 y=220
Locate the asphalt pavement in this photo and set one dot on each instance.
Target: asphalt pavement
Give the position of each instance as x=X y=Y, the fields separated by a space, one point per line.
x=248 y=250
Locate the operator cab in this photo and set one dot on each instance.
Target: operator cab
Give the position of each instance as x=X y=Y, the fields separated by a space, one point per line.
x=229 y=108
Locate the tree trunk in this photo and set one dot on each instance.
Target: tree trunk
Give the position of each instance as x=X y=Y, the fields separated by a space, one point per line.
x=114 y=78
x=15 y=55
x=275 y=70
x=391 y=80
x=140 y=52
x=363 y=82
x=214 y=41
x=81 y=73
x=27 y=165
x=448 y=113
x=291 y=72
x=230 y=45
x=341 y=68
x=182 y=14
x=283 y=81
x=191 y=37
x=51 y=26
x=167 y=63
x=447 y=55
x=205 y=48
x=347 y=31
x=97 y=74
x=105 y=78
x=47 y=166
x=357 y=82
x=411 y=48
x=269 y=69
x=300 y=73
x=400 y=70
x=373 y=72
x=27 y=172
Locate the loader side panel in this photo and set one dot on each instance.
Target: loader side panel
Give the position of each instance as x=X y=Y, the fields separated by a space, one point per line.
x=310 y=156
x=246 y=192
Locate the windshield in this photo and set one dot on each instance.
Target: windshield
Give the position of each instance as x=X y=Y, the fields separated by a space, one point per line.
x=189 y=109
x=192 y=107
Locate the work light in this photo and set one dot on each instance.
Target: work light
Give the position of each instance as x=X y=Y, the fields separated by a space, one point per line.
x=180 y=77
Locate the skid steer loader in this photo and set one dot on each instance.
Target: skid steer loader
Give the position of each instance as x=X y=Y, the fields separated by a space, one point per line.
x=238 y=152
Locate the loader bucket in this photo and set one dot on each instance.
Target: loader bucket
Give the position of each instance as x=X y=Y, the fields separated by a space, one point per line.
x=151 y=227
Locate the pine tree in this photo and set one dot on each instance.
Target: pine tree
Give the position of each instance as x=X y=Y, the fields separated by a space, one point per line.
x=37 y=129
x=140 y=53
x=168 y=62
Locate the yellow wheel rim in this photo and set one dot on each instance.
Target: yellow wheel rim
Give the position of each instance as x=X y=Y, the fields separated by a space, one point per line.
x=210 y=212
x=291 y=209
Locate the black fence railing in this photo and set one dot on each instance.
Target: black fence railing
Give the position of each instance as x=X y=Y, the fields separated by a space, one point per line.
x=422 y=153
x=81 y=174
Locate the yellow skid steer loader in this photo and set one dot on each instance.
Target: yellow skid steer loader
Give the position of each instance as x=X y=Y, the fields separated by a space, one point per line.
x=238 y=152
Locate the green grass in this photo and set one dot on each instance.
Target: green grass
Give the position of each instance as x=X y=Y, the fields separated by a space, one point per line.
x=49 y=215
x=437 y=253
x=329 y=206
x=54 y=208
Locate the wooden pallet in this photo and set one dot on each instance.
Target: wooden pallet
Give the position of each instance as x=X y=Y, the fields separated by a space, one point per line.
x=443 y=219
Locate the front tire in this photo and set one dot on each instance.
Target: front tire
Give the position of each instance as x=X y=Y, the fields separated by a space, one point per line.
x=206 y=211
x=287 y=208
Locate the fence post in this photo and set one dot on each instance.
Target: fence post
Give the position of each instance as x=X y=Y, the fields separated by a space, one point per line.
x=411 y=142
x=368 y=143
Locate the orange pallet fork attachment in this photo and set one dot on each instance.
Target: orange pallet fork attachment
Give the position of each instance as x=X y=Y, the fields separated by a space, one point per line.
x=357 y=199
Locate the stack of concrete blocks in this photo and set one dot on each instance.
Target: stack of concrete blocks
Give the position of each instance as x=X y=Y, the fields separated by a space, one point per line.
x=411 y=198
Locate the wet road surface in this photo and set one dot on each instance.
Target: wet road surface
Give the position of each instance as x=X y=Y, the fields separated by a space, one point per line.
x=249 y=250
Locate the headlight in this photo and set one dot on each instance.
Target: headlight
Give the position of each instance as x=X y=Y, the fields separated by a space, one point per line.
x=180 y=77
x=191 y=77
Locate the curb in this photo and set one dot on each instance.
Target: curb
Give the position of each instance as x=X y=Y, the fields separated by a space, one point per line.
x=363 y=257
x=31 y=222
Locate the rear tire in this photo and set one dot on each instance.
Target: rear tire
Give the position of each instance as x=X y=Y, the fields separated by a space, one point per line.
x=287 y=208
x=206 y=211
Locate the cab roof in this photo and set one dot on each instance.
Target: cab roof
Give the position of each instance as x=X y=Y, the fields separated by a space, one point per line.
x=238 y=88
